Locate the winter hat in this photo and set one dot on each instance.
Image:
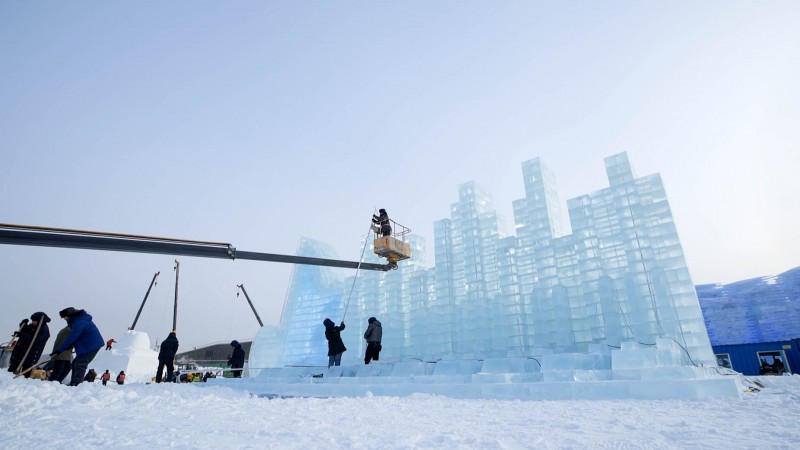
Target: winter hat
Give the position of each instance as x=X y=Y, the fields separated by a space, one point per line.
x=371 y=319
x=40 y=316
x=327 y=322
x=68 y=312
x=234 y=343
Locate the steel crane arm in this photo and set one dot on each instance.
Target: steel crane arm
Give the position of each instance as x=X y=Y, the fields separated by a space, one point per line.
x=90 y=240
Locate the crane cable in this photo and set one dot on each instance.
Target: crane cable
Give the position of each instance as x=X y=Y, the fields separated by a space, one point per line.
x=366 y=240
x=233 y=314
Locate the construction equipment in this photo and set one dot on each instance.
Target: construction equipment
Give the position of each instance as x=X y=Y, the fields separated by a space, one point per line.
x=139 y=313
x=241 y=286
x=393 y=247
x=94 y=240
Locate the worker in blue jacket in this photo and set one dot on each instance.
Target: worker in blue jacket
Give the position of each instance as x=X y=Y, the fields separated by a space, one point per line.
x=84 y=337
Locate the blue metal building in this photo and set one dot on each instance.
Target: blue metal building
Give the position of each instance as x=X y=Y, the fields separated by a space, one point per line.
x=747 y=358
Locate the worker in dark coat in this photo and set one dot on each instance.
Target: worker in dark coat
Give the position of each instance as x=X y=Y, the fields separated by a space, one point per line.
x=380 y=223
x=373 y=335
x=236 y=361
x=32 y=338
x=84 y=337
x=90 y=376
x=335 y=345
x=166 y=356
x=61 y=362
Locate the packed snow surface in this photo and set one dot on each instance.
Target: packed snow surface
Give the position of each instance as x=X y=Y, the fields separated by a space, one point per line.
x=48 y=415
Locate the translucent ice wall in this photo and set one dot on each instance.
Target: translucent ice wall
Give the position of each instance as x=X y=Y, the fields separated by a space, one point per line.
x=620 y=276
x=315 y=293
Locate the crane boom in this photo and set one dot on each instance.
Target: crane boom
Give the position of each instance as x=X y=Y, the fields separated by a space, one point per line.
x=241 y=286
x=147 y=294
x=94 y=240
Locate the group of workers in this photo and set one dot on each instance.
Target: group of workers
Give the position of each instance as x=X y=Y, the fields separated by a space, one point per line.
x=80 y=334
x=336 y=346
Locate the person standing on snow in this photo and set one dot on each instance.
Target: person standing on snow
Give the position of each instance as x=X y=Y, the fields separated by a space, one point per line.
x=237 y=360
x=109 y=343
x=105 y=377
x=335 y=344
x=121 y=377
x=166 y=354
x=373 y=336
x=32 y=339
x=90 y=376
x=62 y=361
x=86 y=339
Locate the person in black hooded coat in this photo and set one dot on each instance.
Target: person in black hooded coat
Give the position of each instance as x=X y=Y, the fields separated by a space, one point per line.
x=166 y=354
x=237 y=360
x=29 y=338
x=335 y=344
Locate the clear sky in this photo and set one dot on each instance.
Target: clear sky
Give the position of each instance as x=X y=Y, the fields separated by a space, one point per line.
x=257 y=123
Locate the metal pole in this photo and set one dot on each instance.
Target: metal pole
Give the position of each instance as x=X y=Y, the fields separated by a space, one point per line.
x=241 y=286
x=175 y=308
x=55 y=237
x=145 y=299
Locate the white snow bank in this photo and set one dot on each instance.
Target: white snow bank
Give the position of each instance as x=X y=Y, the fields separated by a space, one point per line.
x=49 y=415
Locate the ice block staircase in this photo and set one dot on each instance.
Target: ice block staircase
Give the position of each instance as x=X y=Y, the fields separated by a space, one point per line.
x=633 y=371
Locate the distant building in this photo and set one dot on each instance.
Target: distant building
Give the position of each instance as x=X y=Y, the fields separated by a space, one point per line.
x=754 y=325
x=212 y=354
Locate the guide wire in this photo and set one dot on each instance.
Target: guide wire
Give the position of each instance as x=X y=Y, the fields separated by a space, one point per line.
x=349 y=296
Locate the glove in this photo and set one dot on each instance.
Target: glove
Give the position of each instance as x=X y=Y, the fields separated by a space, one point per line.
x=23 y=323
x=341 y=324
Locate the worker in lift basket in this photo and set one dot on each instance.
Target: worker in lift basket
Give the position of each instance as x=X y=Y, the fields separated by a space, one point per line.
x=380 y=223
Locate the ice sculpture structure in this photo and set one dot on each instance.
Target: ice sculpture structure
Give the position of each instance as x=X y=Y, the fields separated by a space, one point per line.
x=620 y=278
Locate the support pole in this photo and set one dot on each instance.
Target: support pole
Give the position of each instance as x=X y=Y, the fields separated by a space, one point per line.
x=175 y=308
x=145 y=299
x=241 y=286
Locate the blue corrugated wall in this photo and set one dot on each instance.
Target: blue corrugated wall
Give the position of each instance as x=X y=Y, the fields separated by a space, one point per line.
x=744 y=357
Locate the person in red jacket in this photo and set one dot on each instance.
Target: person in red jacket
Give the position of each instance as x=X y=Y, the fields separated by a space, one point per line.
x=109 y=343
x=105 y=377
x=121 y=377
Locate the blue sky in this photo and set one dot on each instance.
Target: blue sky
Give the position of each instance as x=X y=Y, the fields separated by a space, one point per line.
x=256 y=123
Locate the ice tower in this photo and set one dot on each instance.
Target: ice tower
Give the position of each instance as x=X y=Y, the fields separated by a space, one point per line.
x=627 y=277
x=315 y=293
x=619 y=279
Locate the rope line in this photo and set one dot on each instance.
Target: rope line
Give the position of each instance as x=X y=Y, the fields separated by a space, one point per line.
x=366 y=240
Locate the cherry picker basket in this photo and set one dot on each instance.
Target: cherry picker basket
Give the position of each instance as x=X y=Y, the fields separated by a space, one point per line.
x=394 y=247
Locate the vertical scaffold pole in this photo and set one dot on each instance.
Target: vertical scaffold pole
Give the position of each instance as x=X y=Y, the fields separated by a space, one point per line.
x=175 y=308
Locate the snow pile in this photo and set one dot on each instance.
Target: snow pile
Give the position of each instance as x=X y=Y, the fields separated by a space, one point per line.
x=49 y=415
x=132 y=354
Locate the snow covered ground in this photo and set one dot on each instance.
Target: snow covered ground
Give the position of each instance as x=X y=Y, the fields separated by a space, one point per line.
x=47 y=415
